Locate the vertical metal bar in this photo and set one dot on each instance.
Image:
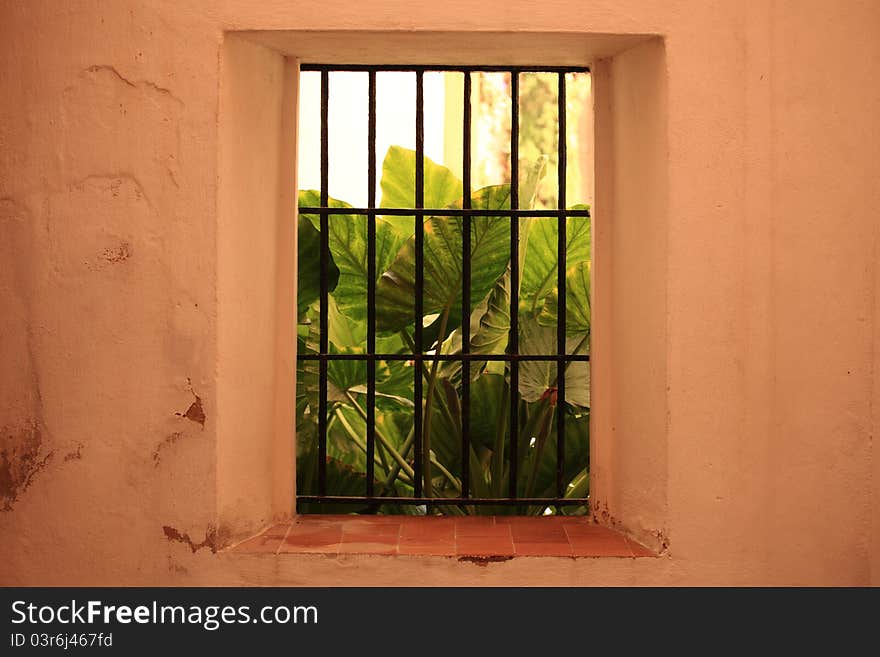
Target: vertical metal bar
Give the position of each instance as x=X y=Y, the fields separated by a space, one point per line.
x=420 y=280
x=466 y=289
x=561 y=292
x=324 y=264
x=513 y=340
x=371 y=280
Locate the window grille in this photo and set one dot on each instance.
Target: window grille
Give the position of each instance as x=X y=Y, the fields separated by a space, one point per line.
x=513 y=358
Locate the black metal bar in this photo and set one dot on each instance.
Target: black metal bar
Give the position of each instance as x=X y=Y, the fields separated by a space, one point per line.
x=324 y=310
x=371 y=281
x=466 y=289
x=420 y=281
x=561 y=293
x=441 y=212
x=477 y=68
x=513 y=340
x=507 y=358
x=454 y=501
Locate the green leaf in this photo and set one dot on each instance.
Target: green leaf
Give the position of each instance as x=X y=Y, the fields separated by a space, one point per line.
x=343 y=330
x=342 y=375
x=539 y=270
x=442 y=265
x=309 y=265
x=577 y=446
x=577 y=302
x=342 y=479
x=398 y=182
x=348 y=248
x=492 y=334
x=538 y=378
x=487 y=392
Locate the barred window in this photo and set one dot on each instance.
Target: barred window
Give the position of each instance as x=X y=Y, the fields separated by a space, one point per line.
x=443 y=293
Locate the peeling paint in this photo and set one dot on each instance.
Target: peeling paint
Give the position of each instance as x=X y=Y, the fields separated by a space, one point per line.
x=118 y=254
x=654 y=539
x=484 y=560
x=74 y=456
x=169 y=440
x=173 y=535
x=195 y=412
x=20 y=462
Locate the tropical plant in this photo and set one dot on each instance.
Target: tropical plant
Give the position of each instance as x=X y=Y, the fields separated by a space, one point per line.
x=441 y=436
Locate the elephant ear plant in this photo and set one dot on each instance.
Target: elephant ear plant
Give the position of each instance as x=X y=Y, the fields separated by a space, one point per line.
x=441 y=435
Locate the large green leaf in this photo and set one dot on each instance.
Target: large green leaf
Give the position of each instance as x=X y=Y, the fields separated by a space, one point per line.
x=442 y=265
x=487 y=392
x=348 y=247
x=342 y=479
x=398 y=182
x=342 y=375
x=539 y=270
x=577 y=301
x=492 y=334
x=538 y=378
x=309 y=265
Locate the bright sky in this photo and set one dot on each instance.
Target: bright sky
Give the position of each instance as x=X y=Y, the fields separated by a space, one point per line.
x=347 y=125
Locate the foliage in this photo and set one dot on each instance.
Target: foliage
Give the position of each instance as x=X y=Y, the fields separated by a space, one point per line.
x=489 y=319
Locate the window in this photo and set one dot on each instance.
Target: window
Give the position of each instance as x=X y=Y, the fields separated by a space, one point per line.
x=443 y=335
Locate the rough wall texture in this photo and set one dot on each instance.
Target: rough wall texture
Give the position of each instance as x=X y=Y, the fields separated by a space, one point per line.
x=109 y=147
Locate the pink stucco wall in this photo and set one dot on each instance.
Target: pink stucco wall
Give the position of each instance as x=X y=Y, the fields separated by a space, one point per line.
x=144 y=374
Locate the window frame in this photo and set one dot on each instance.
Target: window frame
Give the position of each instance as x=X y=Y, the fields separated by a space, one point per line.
x=512 y=356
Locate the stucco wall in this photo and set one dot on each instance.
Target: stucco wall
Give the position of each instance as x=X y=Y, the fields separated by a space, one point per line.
x=116 y=340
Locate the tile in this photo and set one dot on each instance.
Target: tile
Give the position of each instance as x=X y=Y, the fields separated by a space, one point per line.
x=432 y=521
x=369 y=529
x=374 y=519
x=428 y=531
x=484 y=530
x=312 y=539
x=543 y=549
x=587 y=530
x=528 y=520
x=367 y=537
x=428 y=548
x=474 y=521
x=483 y=547
x=539 y=532
x=368 y=547
x=600 y=546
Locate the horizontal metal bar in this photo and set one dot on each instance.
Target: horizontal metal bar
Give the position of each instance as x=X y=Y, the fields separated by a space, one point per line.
x=443 y=212
x=451 y=68
x=507 y=358
x=453 y=501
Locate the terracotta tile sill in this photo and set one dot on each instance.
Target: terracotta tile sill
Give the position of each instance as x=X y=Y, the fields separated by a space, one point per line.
x=504 y=537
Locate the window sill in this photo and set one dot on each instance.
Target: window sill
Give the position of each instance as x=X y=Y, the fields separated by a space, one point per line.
x=467 y=538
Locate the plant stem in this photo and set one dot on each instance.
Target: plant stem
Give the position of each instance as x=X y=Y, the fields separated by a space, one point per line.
x=354 y=436
x=429 y=402
x=546 y=415
x=407 y=446
x=385 y=442
x=498 y=449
